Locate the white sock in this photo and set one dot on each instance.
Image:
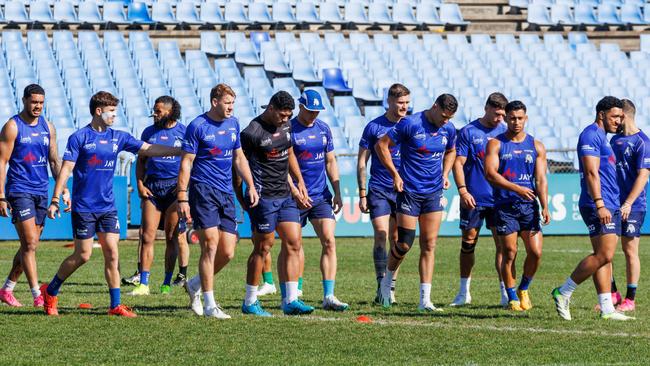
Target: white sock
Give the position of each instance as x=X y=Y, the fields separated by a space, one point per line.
x=606 y=304
x=194 y=283
x=504 y=293
x=36 y=292
x=464 y=285
x=9 y=285
x=568 y=287
x=425 y=293
x=208 y=300
x=292 y=291
x=251 y=295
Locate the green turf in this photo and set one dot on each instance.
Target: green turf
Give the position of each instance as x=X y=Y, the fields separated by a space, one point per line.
x=166 y=332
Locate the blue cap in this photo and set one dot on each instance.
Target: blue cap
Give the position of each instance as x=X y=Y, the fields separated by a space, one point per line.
x=311 y=100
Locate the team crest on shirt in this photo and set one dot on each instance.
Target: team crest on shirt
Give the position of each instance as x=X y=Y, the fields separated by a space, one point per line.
x=324 y=140
x=628 y=151
x=46 y=141
x=444 y=140
x=529 y=159
x=178 y=142
x=233 y=137
x=114 y=148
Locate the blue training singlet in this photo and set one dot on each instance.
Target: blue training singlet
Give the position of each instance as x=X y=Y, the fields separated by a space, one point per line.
x=517 y=165
x=27 y=171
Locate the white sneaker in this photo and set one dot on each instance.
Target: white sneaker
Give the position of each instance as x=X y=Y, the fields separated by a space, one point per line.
x=266 y=289
x=195 y=299
x=332 y=303
x=429 y=308
x=616 y=315
x=562 y=304
x=216 y=312
x=462 y=299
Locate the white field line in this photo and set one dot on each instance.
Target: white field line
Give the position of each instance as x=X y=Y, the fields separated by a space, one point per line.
x=433 y=324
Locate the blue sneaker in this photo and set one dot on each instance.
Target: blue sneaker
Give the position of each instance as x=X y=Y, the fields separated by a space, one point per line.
x=254 y=309
x=297 y=307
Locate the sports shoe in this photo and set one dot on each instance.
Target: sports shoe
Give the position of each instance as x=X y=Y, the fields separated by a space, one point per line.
x=384 y=293
x=38 y=301
x=49 y=302
x=429 y=308
x=299 y=293
x=195 y=299
x=616 y=298
x=561 y=304
x=216 y=312
x=133 y=280
x=616 y=315
x=626 y=305
x=8 y=298
x=140 y=290
x=504 y=301
x=515 y=305
x=254 y=309
x=297 y=307
x=462 y=300
x=179 y=280
x=122 y=310
x=165 y=289
x=266 y=289
x=524 y=299
x=332 y=303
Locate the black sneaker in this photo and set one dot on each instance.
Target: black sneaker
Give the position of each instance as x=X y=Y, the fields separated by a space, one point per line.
x=133 y=280
x=180 y=280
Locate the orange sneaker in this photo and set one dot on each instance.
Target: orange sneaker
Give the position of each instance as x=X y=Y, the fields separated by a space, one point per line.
x=49 y=302
x=122 y=310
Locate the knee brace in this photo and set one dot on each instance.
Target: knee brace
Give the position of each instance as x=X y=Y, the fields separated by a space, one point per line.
x=466 y=247
x=404 y=236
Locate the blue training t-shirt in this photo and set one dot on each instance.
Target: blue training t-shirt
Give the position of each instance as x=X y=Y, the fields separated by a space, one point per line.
x=632 y=154
x=472 y=141
x=380 y=178
x=517 y=165
x=164 y=167
x=310 y=145
x=593 y=142
x=95 y=154
x=422 y=147
x=27 y=172
x=214 y=144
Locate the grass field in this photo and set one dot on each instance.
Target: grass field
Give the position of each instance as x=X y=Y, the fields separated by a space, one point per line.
x=166 y=332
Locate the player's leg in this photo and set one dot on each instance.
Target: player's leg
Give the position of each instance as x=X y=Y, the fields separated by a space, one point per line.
x=429 y=228
x=171 y=246
x=109 y=243
x=150 y=221
x=267 y=287
x=301 y=256
x=30 y=233
x=533 y=242
x=183 y=250
x=490 y=222
x=134 y=279
x=325 y=228
x=632 y=271
x=508 y=242
x=290 y=234
x=224 y=254
x=470 y=225
x=262 y=243
x=406 y=225
x=7 y=290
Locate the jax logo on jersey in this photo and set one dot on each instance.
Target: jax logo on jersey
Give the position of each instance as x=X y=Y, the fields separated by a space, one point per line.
x=94 y=161
x=423 y=150
x=611 y=159
x=215 y=151
x=481 y=155
x=29 y=158
x=305 y=155
x=509 y=174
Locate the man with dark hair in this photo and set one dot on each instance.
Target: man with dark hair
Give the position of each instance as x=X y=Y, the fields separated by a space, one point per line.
x=211 y=152
x=267 y=144
x=28 y=146
x=379 y=199
x=632 y=149
x=427 y=145
x=91 y=154
x=476 y=196
x=515 y=164
x=600 y=209
x=156 y=182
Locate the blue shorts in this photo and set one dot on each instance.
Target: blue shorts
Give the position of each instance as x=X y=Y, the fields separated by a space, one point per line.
x=164 y=192
x=86 y=224
x=473 y=219
x=321 y=208
x=517 y=216
x=24 y=206
x=416 y=204
x=590 y=217
x=631 y=228
x=381 y=202
x=271 y=211
x=211 y=207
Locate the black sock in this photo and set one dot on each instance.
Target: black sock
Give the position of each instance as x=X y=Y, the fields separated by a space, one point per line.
x=631 y=292
x=139 y=267
x=182 y=270
x=614 y=289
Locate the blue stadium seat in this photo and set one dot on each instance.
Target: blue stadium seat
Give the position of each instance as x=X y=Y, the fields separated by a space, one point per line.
x=631 y=14
x=538 y=14
x=306 y=12
x=161 y=12
x=235 y=13
x=283 y=12
x=427 y=15
x=646 y=14
x=333 y=80
x=608 y=14
x=89 y=12
x=138 y=13
x=211 y=13
x=257 y=38
x=246 y=54
x=403 y=13
x=363 y=89
x=329 y=12
x=64 y=12
x=274 y=62
x=304 y=71
x=259 y=12
x=584 y=14
x=186 y=13
x=378 y=13
x=39 y=11
x=15 y=12
x=450 y=14
x=114 y=12
x=211 y=43
x=561 y=14
x=355 y=13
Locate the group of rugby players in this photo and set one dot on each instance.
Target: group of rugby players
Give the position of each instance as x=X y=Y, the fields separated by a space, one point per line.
x=278 y=168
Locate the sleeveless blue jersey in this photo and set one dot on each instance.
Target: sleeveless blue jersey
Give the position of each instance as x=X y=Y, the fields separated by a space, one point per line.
x=27 y=171
x=164 y=167
x=517 y=165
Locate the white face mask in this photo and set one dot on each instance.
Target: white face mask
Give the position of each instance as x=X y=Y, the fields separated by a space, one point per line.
x=107 y=116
